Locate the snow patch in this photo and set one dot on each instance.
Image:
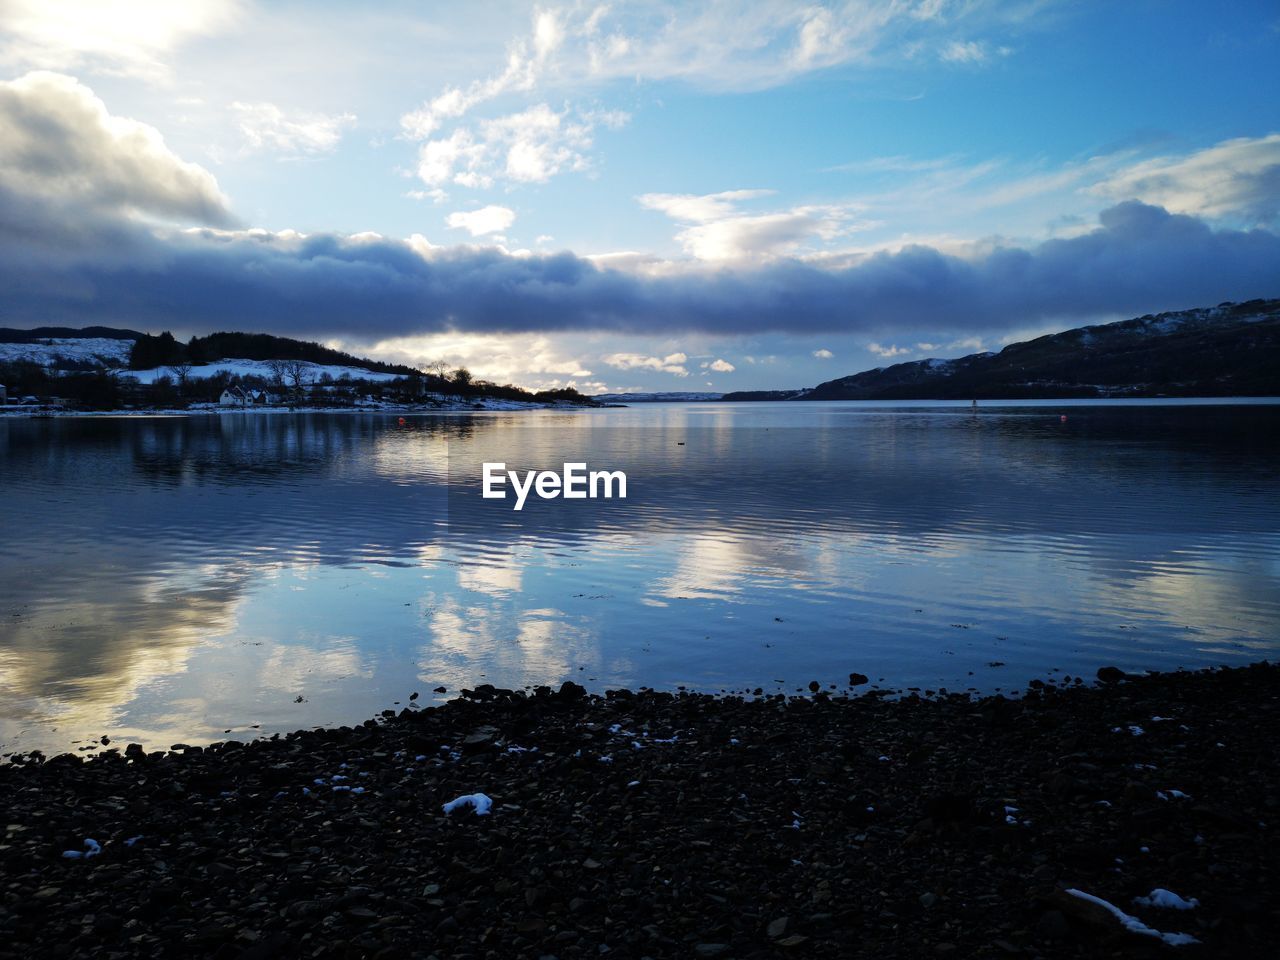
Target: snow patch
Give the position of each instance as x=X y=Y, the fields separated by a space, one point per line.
x=478 y=802
x=1133 y=924
x=1166 y=899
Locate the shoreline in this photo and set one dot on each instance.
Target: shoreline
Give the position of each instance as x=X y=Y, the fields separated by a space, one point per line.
x=461 y=407
x=676 y=825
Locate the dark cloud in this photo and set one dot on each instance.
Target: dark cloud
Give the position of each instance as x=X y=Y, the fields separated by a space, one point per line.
x=100 y=269
x=88 y=202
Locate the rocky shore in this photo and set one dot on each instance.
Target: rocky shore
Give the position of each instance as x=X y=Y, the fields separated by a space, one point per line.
x=1131 y=816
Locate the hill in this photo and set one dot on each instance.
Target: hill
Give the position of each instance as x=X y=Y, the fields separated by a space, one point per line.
x=1232 y=349
x=11 y=335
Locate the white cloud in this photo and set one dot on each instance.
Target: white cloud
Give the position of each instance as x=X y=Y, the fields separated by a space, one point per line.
x=538 y=143
x=435 y=195
x=823 y=354
x=58 y=141
x=718 y=232
x=672 y=363
x=958 y=51
x=720 y=45
x=438 y=158
x=691 y=208
x=486 y=220
x=887 y=352
x=1234 y=177
x=526 y=60
x=266 y=127
x=530 y=146
x=132 y=37
x=719 y=366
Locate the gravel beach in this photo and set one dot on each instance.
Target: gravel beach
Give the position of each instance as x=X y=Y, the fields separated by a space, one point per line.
x=1125 y=816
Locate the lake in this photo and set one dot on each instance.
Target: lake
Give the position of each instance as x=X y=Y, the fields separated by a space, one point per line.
x=167 y=579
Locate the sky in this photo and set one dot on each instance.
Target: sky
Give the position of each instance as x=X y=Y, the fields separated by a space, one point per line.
x=633 y=196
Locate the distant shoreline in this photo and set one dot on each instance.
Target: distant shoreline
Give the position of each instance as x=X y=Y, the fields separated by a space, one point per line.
x=481 y=406
x=44 y=413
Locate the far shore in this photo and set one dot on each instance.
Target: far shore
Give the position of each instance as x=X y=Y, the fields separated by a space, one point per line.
x=477 y=406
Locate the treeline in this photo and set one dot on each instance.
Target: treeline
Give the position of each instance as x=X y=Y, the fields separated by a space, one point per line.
x=103 y=389
x=165 y=350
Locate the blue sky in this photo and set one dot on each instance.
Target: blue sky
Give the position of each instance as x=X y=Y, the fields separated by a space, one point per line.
x=637 y=195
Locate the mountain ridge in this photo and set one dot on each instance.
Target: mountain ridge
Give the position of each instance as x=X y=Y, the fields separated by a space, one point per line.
x=1232 y=349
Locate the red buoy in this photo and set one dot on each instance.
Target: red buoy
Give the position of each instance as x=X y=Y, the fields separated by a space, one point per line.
x=1062 y=419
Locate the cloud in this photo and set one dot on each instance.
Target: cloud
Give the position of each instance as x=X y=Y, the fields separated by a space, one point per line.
x=823 y=354
x=719 y=232
x=90 y=205
x=672 y=363
x=717 y=45
x=435 y=195
x=888 y=352
x=1234 y=178
x=538 y=143
x=133 y=38
x=490 y=219
x=530 y=146
x=719 y=366
x=59 y=145
x=691 y=208
x=266 y=127
x=526 y=60
x=1138 y=259
x=958 y=51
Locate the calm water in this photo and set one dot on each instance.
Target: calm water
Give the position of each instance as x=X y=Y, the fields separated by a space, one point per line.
x=172 y=579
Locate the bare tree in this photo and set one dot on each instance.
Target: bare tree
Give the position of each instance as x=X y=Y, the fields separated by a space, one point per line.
x=278 y=370
x=181 y=373
x=438 y=369
x=298 y=373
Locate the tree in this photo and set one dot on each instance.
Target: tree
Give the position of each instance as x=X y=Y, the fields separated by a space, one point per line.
x=462 y=378
x=181 y=373
x=149 y=352
x=278 y=370
x=298 y=373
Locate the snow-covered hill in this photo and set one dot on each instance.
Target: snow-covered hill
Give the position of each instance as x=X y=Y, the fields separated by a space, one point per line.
x=60 y=352
x=258 y=368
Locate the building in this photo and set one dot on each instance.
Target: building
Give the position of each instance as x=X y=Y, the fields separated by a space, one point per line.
x=245 y=397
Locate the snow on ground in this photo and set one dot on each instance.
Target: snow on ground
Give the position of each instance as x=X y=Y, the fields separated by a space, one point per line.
x=1166 y=899
x=58 y=351
x=478 y=802
x=1133 y=924
x=262 y=369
